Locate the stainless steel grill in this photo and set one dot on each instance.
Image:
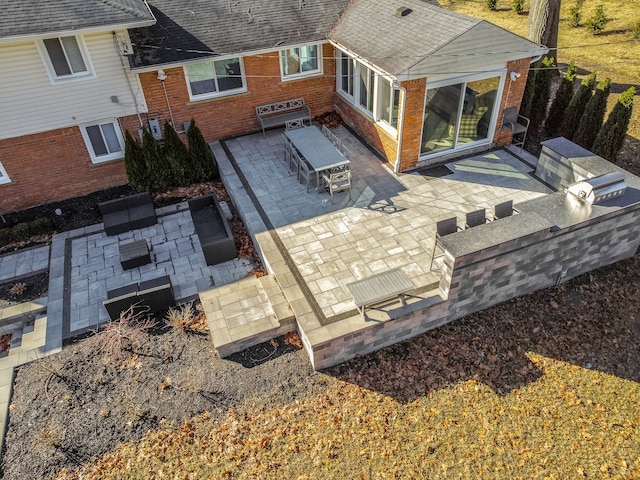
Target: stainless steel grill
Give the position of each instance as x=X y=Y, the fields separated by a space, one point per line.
x=598 y=189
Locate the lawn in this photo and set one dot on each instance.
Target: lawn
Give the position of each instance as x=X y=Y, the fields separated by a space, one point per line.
x=614 y=53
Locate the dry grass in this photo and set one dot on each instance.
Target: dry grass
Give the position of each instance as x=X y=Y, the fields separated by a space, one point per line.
x=614 y=53
x=571 y=423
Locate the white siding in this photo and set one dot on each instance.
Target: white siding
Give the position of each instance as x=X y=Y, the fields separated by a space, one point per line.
x=29 y=103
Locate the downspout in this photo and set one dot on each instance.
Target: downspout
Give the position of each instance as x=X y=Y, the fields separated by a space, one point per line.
x=396 y=166
x=124 y=71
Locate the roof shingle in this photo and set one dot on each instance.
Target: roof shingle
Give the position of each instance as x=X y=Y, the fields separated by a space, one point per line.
x=25 y=18
x=192 y=29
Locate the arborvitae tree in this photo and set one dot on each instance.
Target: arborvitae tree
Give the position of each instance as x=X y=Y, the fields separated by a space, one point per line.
x=154 y=161
x=578 y=103
x=134 y=164
x=560 y=103
x=612 y=134
x=200 y=154
x=177 y=156
x=593 y=116
x=542 y=92
x=529 y=91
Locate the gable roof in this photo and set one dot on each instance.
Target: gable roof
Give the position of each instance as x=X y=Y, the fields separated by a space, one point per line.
x=428 y=41
x=192 y=29
x=25 y=19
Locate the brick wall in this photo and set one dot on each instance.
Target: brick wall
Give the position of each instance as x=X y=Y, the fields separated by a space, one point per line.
x=51 y=166
x=413 y=119
x=511 y=97
x=234 y=115
x=385 y=143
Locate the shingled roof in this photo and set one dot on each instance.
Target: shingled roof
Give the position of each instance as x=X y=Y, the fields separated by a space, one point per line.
x=427 y=40
x=191 y=29
x=36 y=18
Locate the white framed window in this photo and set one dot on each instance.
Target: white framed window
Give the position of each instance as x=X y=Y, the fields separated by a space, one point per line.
x=215 y=78
x=66 y=58
x=300 y=62
x=104 y=141
x=366 y=89
x=4 y=178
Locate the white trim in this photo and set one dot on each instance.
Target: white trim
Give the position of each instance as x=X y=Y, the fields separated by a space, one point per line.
x=4 y=178
x=110 y=156
x=489 y=73
x=217 y=93
x=316 y=72
x=53 y=77
x=354 y=100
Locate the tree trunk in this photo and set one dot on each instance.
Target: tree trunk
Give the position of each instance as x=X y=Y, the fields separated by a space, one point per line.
x=544 y=17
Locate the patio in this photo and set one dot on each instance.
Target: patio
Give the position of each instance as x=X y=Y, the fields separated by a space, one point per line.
x=316 y=247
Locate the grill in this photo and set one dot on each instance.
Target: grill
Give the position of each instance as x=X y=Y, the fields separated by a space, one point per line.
x=598 y=189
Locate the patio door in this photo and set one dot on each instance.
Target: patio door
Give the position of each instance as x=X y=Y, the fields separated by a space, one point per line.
x=457 y=115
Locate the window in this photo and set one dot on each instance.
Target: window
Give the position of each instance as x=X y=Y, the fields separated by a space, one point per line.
x=217 y=78
x=346 y=74
x=65 y=58
x=375 y=94
x=4 y=178
x=300 y=62
x=104 y=141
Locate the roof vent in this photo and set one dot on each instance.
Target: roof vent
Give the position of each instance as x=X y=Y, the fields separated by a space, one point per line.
x=403 y=12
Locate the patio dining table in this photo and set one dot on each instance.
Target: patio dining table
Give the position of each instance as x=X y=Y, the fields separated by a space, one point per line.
x=316 y=149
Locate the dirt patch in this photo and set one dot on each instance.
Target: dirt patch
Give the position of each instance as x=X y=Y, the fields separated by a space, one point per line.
x=72 y=406
x=24 y=290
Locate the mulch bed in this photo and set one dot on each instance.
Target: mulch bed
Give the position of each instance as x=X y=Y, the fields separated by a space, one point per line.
x=24 y=290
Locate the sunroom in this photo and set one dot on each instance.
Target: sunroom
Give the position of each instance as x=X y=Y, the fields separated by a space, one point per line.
x=422 y=83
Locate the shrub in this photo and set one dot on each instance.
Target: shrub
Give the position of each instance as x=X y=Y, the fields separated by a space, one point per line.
x=560 y=102
x=612 y=134
x=491 y=4
x=529 y=91
x=636 y=30
x=518 y=6
x=542 y=92
x=135 y=165
x=200 y=154
x=40 y=226
x=124 y=335
x=593 y=116
x=186 y=318
x=576 y=107
x=575 y=15
x=177 y=156
x=598 y=21
x=159 y=171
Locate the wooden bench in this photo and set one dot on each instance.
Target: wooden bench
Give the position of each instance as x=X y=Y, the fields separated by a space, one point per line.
x=278 y=113
x=379 y=288
x=128 y=213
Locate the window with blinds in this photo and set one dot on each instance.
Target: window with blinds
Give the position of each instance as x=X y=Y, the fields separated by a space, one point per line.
x=66 y=57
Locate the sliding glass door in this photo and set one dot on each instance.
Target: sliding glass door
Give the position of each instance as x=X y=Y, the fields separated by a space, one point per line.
x=459 y=114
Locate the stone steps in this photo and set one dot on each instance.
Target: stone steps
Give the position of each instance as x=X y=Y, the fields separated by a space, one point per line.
x=245 y=313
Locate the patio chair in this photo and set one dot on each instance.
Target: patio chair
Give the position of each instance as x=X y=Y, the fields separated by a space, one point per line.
x=287 y=149
x=294 y=161
x=475 y=218
x=326 y=132
x=305 y=172
x=335 y=140
x=447 y=227
x=503 y=210
x=343 y=150
x=293 y=124
x=337 y=181
x=516 y=124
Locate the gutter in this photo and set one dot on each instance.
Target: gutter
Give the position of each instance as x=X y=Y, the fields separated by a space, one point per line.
x=80 y=31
